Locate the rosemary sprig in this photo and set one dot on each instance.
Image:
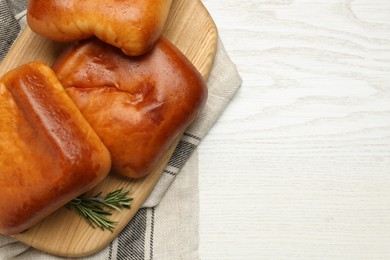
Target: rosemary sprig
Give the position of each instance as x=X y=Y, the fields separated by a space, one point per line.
x=96 y=209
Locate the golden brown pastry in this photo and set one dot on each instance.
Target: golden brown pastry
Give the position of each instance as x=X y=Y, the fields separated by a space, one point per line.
x=138 y=106
x=49 y=154
x=134 y=26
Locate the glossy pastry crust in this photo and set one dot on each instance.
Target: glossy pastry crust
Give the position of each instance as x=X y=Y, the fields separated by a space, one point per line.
x=49 y=154
x=137 y=105
x=134 y=26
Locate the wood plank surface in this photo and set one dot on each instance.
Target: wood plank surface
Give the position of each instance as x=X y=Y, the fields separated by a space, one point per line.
x=64 y=233
x=298 y=166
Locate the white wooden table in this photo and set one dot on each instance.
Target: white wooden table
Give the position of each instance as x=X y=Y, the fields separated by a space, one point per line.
x=298 y=166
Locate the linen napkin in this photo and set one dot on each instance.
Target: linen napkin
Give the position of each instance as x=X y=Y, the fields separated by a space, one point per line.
x=166 y=227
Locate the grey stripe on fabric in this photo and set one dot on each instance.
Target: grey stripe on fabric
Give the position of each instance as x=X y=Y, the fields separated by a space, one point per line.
x=110 y=252
x=151 y=234
x=193 y=136
x=181 y=154
x=9 y=28
x=17 y=6
x=131 y=241
x=170 y=172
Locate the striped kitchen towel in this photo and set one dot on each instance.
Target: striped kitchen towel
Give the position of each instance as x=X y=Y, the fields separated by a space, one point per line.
x=166 y=227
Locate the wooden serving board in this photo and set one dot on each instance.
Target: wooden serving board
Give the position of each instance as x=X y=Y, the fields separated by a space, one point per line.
x=64 y=233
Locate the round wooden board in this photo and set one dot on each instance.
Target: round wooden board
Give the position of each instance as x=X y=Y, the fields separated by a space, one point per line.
x=64 y=233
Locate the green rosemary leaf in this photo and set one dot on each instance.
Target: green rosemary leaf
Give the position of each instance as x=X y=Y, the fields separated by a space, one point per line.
x=96 y=209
